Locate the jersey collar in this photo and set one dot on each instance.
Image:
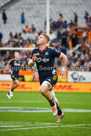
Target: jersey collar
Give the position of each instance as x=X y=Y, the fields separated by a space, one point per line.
x=43 y=50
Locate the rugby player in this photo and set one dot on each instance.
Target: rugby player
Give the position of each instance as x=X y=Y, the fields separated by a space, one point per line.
x=14 y=67
x=44 y=57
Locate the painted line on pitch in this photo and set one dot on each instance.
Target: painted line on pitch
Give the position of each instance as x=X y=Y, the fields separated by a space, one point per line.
x=22 y=101
x=36 y=110
x=61 y=126
x=37 y=102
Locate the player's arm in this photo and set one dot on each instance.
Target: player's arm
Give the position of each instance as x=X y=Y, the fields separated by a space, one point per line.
x=32 y=60
x=8 y=67
x=63 y=58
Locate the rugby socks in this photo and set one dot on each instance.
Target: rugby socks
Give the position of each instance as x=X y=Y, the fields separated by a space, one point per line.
x=11 y=90
x=52 y=102
x=59 y=110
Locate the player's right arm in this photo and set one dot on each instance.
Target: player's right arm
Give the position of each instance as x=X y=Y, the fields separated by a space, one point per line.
x=32 y=59
x=8 y=66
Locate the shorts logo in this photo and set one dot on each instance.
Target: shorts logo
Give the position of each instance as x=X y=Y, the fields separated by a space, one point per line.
x=49 y=80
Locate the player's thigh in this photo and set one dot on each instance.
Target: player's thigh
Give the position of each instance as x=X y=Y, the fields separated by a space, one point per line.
x=45 y=87
x=17 y=82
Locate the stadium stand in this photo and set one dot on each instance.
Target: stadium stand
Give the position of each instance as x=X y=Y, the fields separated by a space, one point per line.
x=35 y=12
x=3 y=2
x=63 y=34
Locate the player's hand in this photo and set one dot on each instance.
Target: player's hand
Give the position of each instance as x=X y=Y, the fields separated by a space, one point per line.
x=9 y=71
x=63 y=73
x=34 y=57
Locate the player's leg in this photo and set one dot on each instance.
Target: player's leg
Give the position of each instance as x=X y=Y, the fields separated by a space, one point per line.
x=15 y=84
x=44 y=90
x=60 y=113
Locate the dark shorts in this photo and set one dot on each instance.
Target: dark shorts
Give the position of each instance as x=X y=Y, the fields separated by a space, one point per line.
x=51 y=79
x=14 y=77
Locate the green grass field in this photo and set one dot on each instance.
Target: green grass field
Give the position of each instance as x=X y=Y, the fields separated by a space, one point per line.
x=29 y=114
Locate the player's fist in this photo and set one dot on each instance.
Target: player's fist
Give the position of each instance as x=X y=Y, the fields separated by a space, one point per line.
x=30 y=62
x=34 y=57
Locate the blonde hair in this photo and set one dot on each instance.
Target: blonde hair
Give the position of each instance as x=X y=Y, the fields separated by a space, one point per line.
x=46 y=36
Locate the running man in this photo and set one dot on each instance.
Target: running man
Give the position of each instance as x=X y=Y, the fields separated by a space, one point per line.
x=44 y=57
x=14 y=67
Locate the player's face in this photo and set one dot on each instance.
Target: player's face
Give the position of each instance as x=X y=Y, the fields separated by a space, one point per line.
x=16 y=54
x=41 y=40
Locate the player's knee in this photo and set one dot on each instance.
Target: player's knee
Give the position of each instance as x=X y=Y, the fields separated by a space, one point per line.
x=42 y=90
x=18 y=83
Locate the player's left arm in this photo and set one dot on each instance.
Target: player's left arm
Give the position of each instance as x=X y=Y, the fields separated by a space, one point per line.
x=63 y=59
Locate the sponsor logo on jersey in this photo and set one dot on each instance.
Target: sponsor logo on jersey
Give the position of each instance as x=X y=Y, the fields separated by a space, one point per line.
x=38 y=53
x=42 y=60
x=16 y=64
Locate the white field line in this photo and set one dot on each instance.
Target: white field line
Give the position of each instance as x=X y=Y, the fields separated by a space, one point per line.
x=22 y=101
x=37 y=102
x=62 y=126
x=4 y=123
x=10 y=126
x=36 y=110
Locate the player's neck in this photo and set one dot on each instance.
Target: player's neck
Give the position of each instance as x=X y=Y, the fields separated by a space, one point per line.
x=16 y=59
x=42 y=47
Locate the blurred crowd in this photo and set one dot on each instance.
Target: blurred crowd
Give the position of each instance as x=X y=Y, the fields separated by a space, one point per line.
x=61 y=35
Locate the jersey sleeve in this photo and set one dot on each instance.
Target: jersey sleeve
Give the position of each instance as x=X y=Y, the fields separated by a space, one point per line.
x=10 y=62
x=55 y=52
x=33 y=52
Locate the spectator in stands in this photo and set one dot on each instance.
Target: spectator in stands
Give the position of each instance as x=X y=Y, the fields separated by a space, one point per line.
x=26 y=30
x=20 y=36
x=31 y=44
x=60 y=17
x=84 y=38
x=1 y=44
x=16 y=35
x=71 y=24
x=4 y=17
x=1 y=64
x=1 y=36
x=86 y=17
x=63 y=36
x=74 y=39
x=10 y=36
x=59 y=23
x=89 y=31
x=65 y=24
x=32 y=29
x=22 y=18
x=89 y=23
x=75 y=19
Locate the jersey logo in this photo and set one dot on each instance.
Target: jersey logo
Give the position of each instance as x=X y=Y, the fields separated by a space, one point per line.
x=16 y=64
x=15 y=61
x=49 y=80
x=42 y=60
x=38 y=53
x=46 y=53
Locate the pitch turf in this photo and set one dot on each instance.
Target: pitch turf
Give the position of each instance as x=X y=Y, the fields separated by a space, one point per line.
x=28 y=114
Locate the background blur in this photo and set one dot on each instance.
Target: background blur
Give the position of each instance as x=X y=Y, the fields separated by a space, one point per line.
x=22 y=21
